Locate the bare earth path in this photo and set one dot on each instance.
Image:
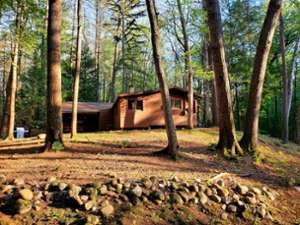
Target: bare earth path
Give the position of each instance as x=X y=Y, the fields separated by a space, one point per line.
x=128 y=154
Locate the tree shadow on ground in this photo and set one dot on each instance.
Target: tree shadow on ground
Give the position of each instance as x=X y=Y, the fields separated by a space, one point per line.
x=192 y=159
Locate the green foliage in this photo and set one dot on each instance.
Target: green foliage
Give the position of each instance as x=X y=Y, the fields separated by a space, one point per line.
x=57 y=146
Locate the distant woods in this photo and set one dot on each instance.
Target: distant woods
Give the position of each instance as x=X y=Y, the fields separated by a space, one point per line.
x=244 y=82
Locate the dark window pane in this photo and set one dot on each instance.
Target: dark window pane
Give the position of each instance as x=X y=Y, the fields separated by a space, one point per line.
x=131 y=104
x=139 y=105
x=176 y=103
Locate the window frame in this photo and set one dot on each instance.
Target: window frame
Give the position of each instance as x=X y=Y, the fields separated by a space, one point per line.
x=174 y=101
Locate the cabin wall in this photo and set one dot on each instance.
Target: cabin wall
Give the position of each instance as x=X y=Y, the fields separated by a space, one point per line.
x=152 y=114
x=106 y=119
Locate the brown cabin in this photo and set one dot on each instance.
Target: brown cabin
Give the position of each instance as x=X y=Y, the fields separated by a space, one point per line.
x=130 y=111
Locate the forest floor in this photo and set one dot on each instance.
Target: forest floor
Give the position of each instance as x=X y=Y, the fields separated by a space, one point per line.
x=129 y=155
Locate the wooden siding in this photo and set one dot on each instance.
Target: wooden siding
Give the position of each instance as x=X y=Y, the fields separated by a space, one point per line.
x=152 y=114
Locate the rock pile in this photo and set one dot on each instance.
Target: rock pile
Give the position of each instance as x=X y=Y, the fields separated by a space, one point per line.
x=233 y=199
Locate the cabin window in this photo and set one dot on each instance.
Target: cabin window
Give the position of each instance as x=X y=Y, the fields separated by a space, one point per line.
x=131 y=104
x=139 y=105
x=135 y=104
x=176 y=103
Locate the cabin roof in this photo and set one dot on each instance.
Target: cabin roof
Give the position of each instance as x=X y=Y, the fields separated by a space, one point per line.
x=86 y=107
x=174 y=89
x=96 y=107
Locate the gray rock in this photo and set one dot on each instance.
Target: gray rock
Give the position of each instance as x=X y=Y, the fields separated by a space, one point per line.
x=235 y=197
x=242 y=189
x=6 y=189
x=175 y=179
x=208 y=192
x=222 y=191
x=261 y=211
x=78 y=199
x=38 y=195
x=147 y=183
x=103 y=190
x=137 y=191
x=51 y=179
x=26 y=194
x=256 y=190
x=226 y=200
x=202 y=198
x=74 y=190
x=174 y=186
x=240 y=203
x=184 y=196
x=145 y=199
x=62 y=186
x=92 y=220
x=153 y=179
x=194 y=200
x=214 y=191
x=198 y=180
x=119 y=188
x=269 y=193
x=231 y=208
x=202 y=187
x=37 y=206
x=194 y=188
x=2 y=178
x=176 y=199
x=220 y=182
x=89 y=205
x=124 y=198
x=216 y=198
x=127 y=185
x=224 y=216
x=19 y=182
x=84 y=198
x=93 y=193
x=251 y=200
x=23 y=206
x=158 y=195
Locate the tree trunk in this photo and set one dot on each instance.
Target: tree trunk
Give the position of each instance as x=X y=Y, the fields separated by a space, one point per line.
x=250 y=137
x=285 y=116
x=155 y=38
x=98 y=49
x=124 y=72
x=5 y=88
x=54 y=99
x=77 y=70
x=10 y=105
x=214 y=101
x=188 y=66
x=238 y=114
x=292 y=79
x=227 y=133
x=114 y=71
x=72 y=37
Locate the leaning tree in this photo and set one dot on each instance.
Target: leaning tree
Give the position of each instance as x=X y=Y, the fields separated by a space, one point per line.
x=172 y=147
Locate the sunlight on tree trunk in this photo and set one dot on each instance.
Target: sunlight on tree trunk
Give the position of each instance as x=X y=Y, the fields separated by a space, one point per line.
x=250 y=137
x=76 y=75
x=54 y=98
x=188 y=65
x=172 y=148
x=227 y=133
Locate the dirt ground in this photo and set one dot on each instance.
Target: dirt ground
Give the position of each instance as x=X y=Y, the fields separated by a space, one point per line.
x=129 y=154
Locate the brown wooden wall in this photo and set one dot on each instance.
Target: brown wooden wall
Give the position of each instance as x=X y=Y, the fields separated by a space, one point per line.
x=152 y=113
